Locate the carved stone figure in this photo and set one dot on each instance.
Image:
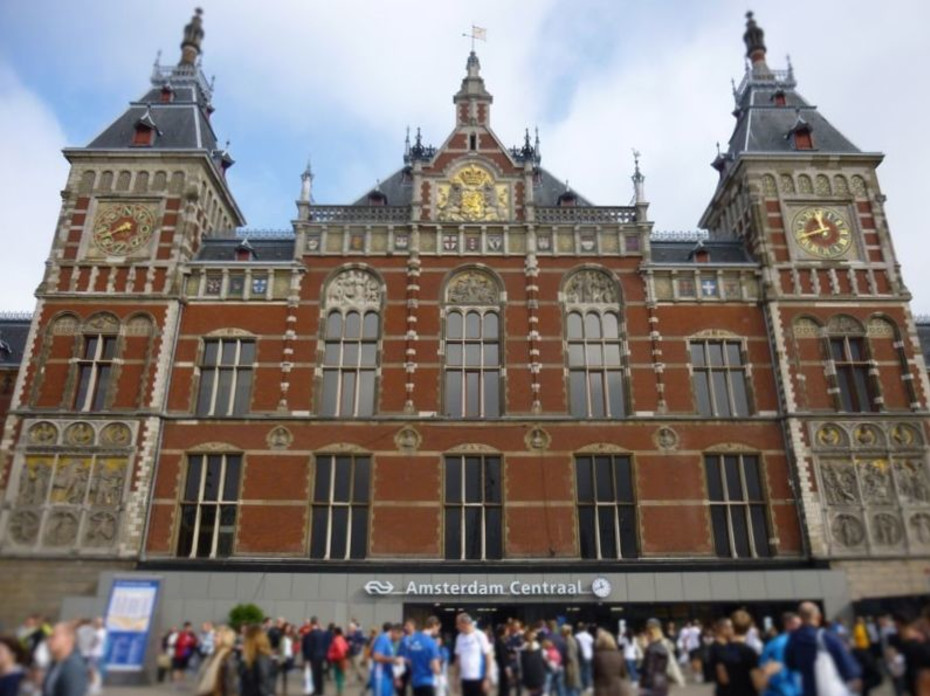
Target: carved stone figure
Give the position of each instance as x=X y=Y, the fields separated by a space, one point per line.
x=875 y=478
x=911 y=476
x=33 y=483
x=830 y=436
x=903 y=435
x=839 y=483
x=101 y=529
x=61 y=529
x=43 y=433
x=537 y=439
x=886 y=529
x=590 y=287
x=70 y=481
x=116 y=435
x=354 y=287
x=107 y=486
x=473 y=288
x=866 y=436
x=787 y=183
x=665 y=438
x=920 y=524
x=80 y=434
x=847 y=530
x=407 y=440
x=280 y=438
x=24 y=526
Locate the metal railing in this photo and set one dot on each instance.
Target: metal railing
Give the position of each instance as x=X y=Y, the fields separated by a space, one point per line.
x=360 y=213
x=586 y=214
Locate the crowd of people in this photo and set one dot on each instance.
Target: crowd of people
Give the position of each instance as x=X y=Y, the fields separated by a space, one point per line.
x=804 y=656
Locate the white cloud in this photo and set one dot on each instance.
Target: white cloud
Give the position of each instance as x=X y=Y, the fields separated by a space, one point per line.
x=32 y=172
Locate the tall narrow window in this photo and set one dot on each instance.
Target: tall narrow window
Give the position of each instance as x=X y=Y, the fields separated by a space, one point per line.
x=852 y=373
x=606 y=507
x=341 y=497
x=719 y=379
x=593 y=345
x=209 y=505
x=472 y=347
x=94 y=370
x=473 y=526
x=737 y=506
x=351 y=343
x=349 y=361
x=226 y=377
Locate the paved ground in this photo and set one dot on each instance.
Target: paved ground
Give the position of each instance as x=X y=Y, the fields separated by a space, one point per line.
x=356 y=690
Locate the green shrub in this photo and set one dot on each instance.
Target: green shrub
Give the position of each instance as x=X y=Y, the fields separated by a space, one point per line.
x=244 y=614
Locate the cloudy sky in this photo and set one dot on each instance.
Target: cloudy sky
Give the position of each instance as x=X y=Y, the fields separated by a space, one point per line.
x=340 y=82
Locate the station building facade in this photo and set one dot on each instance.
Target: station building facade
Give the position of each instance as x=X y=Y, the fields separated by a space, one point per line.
x=471 y=387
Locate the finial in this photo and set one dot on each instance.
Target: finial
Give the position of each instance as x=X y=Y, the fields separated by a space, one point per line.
x=754 y=38
x=378 y=185
x=638 y=179
x=567 y=187
x=407 y=143
x=157 y=58
x=419 y=142
x=306 y=182
x=718 y=149
x=536 y=147
x=790 y=68
x=193 y=35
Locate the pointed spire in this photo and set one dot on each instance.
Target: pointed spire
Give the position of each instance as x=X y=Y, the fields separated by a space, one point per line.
x=536 y=147
x=193 y=35
x=407 y=146
x=754 y=38
x=306 y=184
x=473 y=66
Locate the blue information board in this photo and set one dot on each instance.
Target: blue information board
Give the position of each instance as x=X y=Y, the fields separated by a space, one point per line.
x=128 y=622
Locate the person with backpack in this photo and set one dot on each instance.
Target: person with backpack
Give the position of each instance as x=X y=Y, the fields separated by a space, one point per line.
x=823 y=661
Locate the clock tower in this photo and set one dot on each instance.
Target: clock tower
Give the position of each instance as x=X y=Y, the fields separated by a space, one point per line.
x=853 y=387
x=78 y=448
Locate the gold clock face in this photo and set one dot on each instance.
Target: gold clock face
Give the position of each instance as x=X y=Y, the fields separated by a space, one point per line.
x=121 y=228
x=822 y=232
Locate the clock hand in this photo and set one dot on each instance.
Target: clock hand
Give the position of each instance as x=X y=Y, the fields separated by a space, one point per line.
x=122 y=228
x=822 y=230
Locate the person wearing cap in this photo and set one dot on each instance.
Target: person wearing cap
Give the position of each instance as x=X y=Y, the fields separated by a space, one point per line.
x=472 y=658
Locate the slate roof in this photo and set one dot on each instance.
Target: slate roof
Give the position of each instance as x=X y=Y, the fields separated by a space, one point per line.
x=13 y=335
x=720 y=251
x=399 y=190
x=264 y=250
x=762 y=126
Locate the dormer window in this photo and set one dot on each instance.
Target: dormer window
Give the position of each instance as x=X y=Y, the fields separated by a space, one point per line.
x=244 y=251
x=779 y=98
x=167 y=94
x=377 y=198
x=144 y=136
x=700 y=253
x=568 y=200
x=801 y=134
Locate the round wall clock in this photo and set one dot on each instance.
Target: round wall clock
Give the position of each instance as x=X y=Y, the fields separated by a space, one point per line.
x=123 y=227
x=822 y=232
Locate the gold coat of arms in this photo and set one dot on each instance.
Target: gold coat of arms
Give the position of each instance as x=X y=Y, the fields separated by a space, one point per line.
x=472 y=196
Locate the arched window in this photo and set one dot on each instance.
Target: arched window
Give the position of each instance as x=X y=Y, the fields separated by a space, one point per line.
x=95 y=365
x=351 y=342
x=849 y=354
x=594 y=346
x=472 y=347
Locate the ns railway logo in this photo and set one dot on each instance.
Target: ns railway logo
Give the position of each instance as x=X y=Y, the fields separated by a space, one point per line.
x=599 y=587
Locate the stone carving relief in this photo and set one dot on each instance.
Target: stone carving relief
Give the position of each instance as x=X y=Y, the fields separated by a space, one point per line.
x=80 y=434
x=408 y=439
x=473 y=287
x=886 y=529
x=804 y=184
x=590 y=287
x=787 y=183
x=839 y=483
x=354 y=287
x=920 y=527
x=769 y=187
x=43 y=433
x=857 y=184
x=875 y=478
x=106 y=488
x=101 y=528
x=840 y=186
x=70 y=482
x=844 y=325
x=880 y=328
x=65 y=326
x=903 y=435
x=665 y=438
x=831 y=435
x=847 y=530
x=822 y=185
x=537 y=439
x=61 y=528
x=913 y=486
x=806 y=328
x=24 y=527
x=279 y=438
x=868 y=436
x=472 y=195
x=116 y=435
x=34 y=480
x=102 y=323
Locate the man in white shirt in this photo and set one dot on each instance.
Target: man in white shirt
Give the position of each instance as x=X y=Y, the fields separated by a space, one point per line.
x=472 y=658
x=585 y=654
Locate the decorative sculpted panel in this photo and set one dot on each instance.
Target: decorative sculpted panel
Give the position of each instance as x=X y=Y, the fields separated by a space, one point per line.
x=472 y=195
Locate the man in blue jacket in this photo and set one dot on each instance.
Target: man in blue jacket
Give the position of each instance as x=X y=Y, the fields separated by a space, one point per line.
x=801 y=651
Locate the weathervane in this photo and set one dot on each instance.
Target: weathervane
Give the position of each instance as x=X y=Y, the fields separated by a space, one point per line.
x=477 y=33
